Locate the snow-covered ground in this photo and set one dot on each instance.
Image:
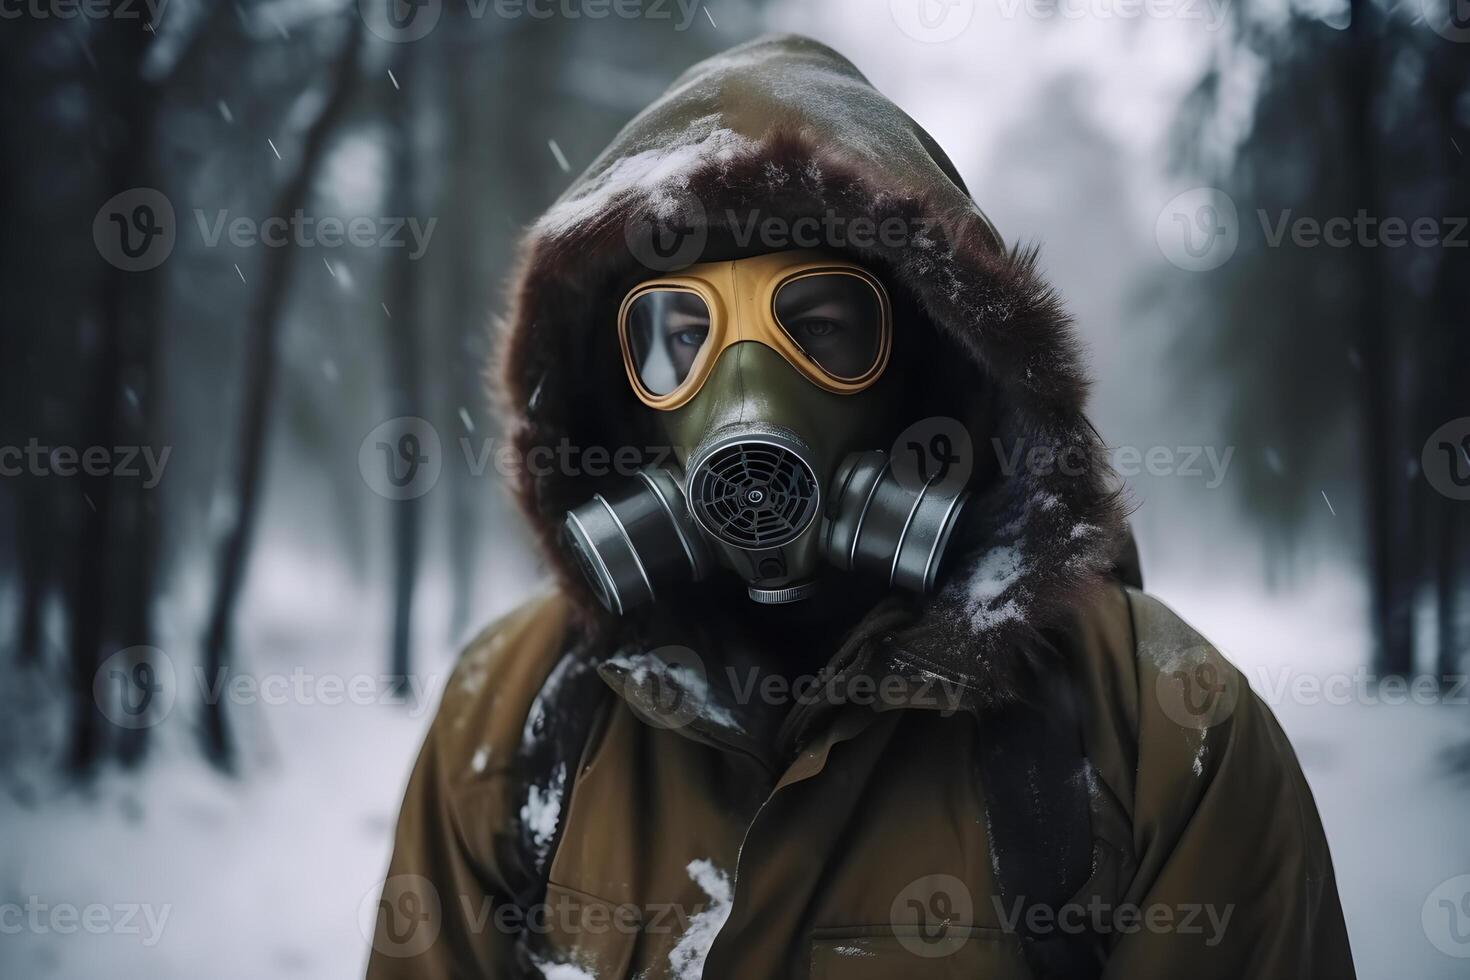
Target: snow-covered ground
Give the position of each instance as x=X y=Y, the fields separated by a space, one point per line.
x=260 y=875
x=266 y=875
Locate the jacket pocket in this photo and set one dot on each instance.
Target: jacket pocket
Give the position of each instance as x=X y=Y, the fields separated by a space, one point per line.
x=589 y=933
x=907 y=952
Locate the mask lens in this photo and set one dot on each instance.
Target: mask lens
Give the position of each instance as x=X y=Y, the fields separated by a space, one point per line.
x=666 y=330
x=836 y=319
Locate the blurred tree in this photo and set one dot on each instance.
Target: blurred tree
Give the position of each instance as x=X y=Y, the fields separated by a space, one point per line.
x=267 y=310
x=97 y=105
x=90 y=540
x=1335 y=358
x=404 y=346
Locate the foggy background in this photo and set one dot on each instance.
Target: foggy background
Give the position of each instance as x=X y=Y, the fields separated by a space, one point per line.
x=1303 y=397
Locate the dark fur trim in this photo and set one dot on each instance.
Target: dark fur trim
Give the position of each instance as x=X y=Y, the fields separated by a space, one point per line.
x=1048 y=536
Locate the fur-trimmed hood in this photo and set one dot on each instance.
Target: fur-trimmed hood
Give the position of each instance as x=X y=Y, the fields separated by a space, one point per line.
x=784 y=127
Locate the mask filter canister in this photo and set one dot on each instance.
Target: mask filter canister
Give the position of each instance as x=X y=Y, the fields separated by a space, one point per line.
x=632 y=545
x=880 y=526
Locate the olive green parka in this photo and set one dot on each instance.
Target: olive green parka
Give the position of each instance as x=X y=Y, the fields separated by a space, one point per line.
x=1037 y=771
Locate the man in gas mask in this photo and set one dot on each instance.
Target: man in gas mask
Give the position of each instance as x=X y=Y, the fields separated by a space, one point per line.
x=847 y=671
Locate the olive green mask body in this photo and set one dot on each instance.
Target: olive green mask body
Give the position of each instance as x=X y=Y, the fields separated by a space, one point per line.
x=753 y=396
x=777 y=479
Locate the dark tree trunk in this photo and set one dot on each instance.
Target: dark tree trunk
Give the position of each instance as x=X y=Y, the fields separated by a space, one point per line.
x=115 y=544
x=1449 y=354
x=22 y=280
x=1390 y=590
x=404 y=343
x=34 y=546
x=88 y=592
x=258 y=386
x=467 y=336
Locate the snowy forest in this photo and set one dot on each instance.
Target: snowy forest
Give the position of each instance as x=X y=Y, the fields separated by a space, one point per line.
x=242 y=237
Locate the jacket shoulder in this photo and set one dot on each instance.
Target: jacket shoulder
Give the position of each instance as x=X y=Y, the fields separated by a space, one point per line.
x=1216 y=802
x=458 y=838
x=1159 y=695
x=1167 y=714
x=1124 y=639
x=489 y=696
x=510 y=731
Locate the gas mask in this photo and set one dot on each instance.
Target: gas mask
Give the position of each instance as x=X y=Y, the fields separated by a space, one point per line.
x=765 y=373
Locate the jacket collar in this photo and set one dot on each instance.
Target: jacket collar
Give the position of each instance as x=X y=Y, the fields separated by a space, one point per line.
x=736 y=700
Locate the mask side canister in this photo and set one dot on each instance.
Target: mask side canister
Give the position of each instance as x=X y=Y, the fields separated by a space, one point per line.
x=635 y=544
x=883 y=528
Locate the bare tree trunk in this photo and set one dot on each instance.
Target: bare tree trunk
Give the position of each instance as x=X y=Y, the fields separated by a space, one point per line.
x=34 y=547
x=258 y=386
x=88 y=592
x=1390 y=594
x=470 y=307
x=1448 y=356
x=404 y=344
x=115 y=543
x=24 y=283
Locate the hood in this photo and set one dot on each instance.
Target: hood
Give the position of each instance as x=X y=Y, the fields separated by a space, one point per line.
x=786 y=128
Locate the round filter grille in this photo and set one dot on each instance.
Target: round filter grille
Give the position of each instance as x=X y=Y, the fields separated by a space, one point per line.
x=754 y=495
